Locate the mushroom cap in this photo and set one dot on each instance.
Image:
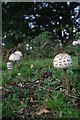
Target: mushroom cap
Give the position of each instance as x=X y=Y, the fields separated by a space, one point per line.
x=9 y=65
x=32 y=66
x=62 y=60
x=14 y=57
x=19 y=53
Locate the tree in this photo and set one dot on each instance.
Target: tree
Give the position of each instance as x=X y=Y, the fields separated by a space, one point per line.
x=29 y=19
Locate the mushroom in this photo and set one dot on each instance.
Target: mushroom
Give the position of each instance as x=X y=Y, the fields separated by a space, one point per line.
x=19 y=53
x=63 y=61
x=9 y=67
x=32 y=66
x=19 y=74
x=14 y=57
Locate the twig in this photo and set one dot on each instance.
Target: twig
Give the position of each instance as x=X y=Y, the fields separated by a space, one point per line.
x=58 y=87
x=71 y=96
x=8 y=102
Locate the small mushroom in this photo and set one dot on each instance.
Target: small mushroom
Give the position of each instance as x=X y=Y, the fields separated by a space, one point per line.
x=32 y=66
x=9 y=67
x=63 y=61
x=19 y=74
x=14 y=58
x=19 y=53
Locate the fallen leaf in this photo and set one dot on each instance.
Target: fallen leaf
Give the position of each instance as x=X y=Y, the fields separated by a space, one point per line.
x=32 y=99
x=44 y=110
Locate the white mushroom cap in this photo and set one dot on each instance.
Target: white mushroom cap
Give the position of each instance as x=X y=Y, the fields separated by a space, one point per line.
x=19 y=53
x=9 y=65
x=19 y=74
x=14 y=57
x=62 y=60
x=32 y=66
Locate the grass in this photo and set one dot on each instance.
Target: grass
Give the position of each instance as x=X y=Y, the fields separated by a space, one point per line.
x=31 y=92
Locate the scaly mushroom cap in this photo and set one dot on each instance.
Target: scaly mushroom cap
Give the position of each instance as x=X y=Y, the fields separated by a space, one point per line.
x=62 y=60
x=19 y=53
x=14 y=57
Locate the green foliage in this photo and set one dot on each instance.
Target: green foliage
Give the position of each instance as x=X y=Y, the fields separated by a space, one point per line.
x=72 y=50
x=59 y=105
x=76 y=80
x=26 y=70
x=42 y=45
x=4 y=66
x=41 y=92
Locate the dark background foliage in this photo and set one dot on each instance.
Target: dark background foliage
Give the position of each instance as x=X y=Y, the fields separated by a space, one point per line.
x=21 y=20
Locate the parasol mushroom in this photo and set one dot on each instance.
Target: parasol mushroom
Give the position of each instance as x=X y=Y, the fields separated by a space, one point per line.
x=63 y=61
x=19 y=53
x=14 y=58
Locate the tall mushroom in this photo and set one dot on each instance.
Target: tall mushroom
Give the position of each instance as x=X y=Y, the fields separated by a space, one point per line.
x=63 y=61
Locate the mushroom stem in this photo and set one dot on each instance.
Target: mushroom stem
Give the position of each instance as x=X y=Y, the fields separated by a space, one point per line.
x=67 y=81
x=10 y=73
x=17 y=64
